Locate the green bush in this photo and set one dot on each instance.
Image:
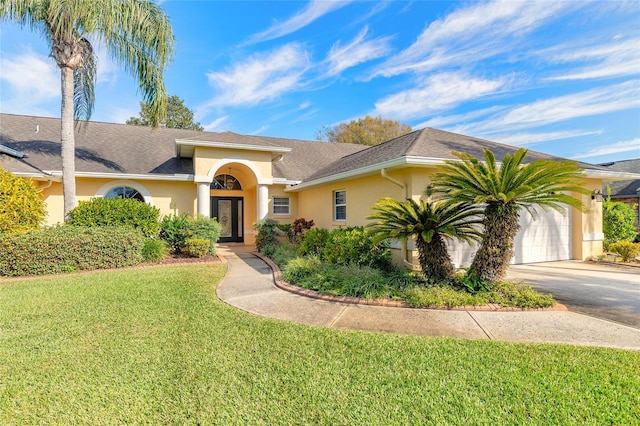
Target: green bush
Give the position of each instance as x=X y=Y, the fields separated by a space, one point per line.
x=116 y=212
x=177 y=229
x=519 y=295
x=21 y=208
x=197 y=247
x=354 y=246
x=68 y=248
x=314 y=241
x=267 y=233
x=154 y=250
x=617 y=222
x=301 y=267
x=626 y=249
x=283 y=253
x=207 y=229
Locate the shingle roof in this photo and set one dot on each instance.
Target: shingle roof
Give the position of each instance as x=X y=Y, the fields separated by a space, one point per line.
x=625 y=187
x=427 y=143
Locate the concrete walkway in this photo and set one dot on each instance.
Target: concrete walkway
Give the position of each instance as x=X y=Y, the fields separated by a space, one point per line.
x=249 y=286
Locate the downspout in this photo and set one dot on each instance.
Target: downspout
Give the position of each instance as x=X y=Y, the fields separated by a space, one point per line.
x=45 y=186
x=403 y=250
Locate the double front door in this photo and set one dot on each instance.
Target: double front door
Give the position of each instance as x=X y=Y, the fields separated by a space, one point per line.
x=228 y=212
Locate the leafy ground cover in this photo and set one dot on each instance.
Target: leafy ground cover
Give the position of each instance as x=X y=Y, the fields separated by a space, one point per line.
x=155 y=346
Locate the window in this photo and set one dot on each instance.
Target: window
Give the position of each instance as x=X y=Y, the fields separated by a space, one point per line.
x=124 y=192
x=281 y=205
x=340 y=205
x=227 y=182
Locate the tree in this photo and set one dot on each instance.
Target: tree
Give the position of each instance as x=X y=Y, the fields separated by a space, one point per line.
x=137 y=35
x=178 y=115
x=431 y=223
x=21 y=208
x=503 y=191
x=618 y=222
x=364 y=131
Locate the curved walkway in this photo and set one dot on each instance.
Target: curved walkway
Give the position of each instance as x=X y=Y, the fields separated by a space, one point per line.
x=249 y=286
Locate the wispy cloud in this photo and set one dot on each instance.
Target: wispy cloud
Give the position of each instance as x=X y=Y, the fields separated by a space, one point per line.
x=357 y=51
x=314 y=10
x=216 y=125
x=260 y=130
x=527 y=139
x=458 y=119
x=632 y=145
x=434 y=94
x=29 y=80
x=261 y=77
x=617 y=58
x=471 y=34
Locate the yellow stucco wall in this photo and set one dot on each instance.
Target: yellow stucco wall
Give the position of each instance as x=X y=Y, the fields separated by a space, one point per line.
x=206 y=158
x=278 y=191
x=586 y=227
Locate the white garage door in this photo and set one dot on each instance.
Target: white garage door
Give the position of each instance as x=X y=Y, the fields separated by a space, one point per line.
x=545 y=239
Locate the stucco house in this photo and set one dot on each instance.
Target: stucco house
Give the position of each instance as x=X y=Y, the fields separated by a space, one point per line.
x=627 y=191
x=240 y=179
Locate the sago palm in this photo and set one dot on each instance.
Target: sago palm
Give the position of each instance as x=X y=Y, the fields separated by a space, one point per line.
x=430 y=223
x=504 y=190
x=136 y=34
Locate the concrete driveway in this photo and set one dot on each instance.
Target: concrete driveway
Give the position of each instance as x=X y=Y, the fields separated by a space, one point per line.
x=603 y=291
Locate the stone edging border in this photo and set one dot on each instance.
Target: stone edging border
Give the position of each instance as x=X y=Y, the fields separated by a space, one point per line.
x=277 y=277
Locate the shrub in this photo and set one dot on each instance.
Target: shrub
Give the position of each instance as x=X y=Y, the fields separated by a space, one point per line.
x=355 y=246
x=116 y=212
x=205 y=228
x=519 y=295
x=267 y=233
x=301 y=225
x=197 y=247
x=153 y=250
x=21 y=208
x=283 y=253
x=177 y=229
x=617 y=222
x=174 y=231
x=301 y=267
x=314 y=241
x=68 y=248
x=626 y=249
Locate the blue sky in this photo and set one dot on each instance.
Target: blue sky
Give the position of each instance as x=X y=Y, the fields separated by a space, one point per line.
x=557 y=77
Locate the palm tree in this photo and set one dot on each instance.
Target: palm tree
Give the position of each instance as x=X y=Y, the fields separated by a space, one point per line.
x=504 y=190
x=431 y=223
x=137 y=35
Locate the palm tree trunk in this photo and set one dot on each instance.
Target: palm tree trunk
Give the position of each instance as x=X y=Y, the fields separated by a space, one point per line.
x=434 y=259
x=501 y=224
x=67 y=141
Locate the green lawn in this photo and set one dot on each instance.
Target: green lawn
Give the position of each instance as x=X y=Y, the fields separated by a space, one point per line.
x=155 y=345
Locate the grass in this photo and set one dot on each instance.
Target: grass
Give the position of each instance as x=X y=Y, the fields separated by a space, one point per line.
x=156 y=346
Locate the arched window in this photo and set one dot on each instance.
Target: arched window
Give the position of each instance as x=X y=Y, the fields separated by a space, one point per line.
x=124 y=192
x=226 y=182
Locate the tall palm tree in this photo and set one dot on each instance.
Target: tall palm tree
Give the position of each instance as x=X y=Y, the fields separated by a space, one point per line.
x=504 y=190
x=137 y=35
x=431 y=223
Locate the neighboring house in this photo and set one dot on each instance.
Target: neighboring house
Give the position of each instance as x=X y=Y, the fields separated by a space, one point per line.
x=627 y=191
x=240 y=179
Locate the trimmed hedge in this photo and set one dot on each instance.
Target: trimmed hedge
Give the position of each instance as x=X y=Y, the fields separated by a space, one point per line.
x=21 y=207
x=69 y=248
x=117 y=212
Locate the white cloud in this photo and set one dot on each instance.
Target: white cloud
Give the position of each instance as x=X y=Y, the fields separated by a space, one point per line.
x=471 y=34
x=216 y=125
x=435 y=93
x=260 y=130
x=632 y=145
x=30 y=80
x=526 y=139
x=260 y=78
x=355 y=52
x=121 y=115
x=314 y=10
x=619 y=58
x=458 y=119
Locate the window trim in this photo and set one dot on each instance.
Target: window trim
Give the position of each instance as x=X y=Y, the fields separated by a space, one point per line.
x=336 y=205
x=102 y=191
x=288 y=206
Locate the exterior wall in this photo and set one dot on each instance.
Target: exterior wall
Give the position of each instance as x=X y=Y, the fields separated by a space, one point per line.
x=205 y=159
x=169 y=197
x=586 y=227
x=278 y=191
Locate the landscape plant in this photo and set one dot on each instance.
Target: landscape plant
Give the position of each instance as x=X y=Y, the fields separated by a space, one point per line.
x=430 y=224
x=102 y=211
x=626 y=249
x=175 y=230
x=154 y=250
x=618 y=222
x=21 y=207
x=267 y=233
x=136 y=35
x=197 y=247
x=503 y=190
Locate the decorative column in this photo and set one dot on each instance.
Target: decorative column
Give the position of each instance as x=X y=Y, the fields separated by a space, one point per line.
x=203 y=196
x=263 y=201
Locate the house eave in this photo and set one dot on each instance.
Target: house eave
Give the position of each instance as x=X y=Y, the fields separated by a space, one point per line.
x=610 y=175
x=186 y=147
x=130 y=176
